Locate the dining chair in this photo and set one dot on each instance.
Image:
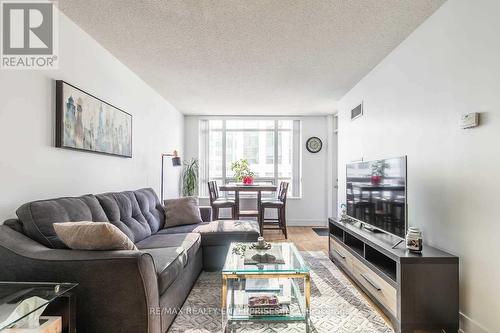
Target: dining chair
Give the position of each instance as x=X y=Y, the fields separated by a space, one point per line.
x=216 y=202
x=279 y=204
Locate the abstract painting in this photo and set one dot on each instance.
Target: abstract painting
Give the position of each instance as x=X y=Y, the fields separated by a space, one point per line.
x=85 y=122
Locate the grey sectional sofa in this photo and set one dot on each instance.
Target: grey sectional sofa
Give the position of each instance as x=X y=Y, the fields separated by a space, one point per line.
x=119 y=291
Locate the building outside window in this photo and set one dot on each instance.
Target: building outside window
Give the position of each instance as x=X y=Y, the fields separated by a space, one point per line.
x=271 y=146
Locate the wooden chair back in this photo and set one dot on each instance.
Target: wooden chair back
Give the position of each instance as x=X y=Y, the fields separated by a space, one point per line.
x=213 y=191
x=283 y=191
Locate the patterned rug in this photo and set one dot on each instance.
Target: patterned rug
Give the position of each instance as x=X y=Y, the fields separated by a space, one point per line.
x=336 y=305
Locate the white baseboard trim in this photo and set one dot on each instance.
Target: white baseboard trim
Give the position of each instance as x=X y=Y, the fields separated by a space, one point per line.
x=306 y=223
x=469 y=325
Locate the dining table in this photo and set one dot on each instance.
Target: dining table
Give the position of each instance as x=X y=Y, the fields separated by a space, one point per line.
x=240 y=187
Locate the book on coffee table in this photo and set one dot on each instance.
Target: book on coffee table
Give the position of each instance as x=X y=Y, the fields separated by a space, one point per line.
x=267 y=304
x=263 y=300
x=281 y=310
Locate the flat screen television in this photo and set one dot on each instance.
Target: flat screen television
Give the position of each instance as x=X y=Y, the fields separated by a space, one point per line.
x=376 y=194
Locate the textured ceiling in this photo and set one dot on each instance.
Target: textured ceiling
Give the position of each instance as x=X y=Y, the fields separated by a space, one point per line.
x=250 y=56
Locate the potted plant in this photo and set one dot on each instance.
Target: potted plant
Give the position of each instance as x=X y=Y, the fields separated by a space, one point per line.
x=190 y=178
x=378 y=171
x=242 y=172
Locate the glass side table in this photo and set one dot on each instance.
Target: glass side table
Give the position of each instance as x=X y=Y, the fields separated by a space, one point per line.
x=58 y=297
x=287 y=278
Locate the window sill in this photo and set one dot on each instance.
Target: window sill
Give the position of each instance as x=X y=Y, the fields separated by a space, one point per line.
x=288 y=198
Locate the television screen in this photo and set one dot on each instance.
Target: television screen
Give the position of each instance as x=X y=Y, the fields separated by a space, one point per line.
x=376 y=194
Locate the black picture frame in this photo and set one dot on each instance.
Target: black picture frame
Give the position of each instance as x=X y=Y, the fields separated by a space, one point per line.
x=320 y=144
x=60 y=122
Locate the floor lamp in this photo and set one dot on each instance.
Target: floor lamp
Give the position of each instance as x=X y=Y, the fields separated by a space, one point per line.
x=176 y=161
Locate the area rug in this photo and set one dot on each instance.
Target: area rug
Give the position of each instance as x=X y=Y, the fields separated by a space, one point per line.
x=336 y=305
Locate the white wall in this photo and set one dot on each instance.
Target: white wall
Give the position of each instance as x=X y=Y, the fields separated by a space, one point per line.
x=312 y=208
x=32 y=168
x=413 y=100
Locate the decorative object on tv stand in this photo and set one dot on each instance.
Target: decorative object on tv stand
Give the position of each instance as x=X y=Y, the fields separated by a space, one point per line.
x=190 y=178
x=414 y=240
x=314 y=145
x=343 y=214
x=85 y=122
x=378 y=171
x=176 y=162
x=242 y=172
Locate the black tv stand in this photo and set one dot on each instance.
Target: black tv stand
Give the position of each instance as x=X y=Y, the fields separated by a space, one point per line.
x=415 y=291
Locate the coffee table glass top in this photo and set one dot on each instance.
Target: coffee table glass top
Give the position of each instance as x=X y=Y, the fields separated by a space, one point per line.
x=281 y=258
x=12 y=294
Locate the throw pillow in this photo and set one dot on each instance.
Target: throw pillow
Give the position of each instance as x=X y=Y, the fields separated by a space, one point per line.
x=181 y=212
x=93 y=236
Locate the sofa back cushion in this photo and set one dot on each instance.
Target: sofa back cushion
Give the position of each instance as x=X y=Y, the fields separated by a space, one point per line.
x=124 y=211
x=38 y=217
x=151 y=208
x=182 y=211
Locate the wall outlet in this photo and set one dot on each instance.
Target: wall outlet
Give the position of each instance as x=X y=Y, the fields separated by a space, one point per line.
x=469 y=120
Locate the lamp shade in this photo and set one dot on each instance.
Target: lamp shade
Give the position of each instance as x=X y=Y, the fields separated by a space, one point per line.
x=176 y=161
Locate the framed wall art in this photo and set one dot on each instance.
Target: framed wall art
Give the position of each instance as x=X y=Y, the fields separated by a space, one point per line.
x=85 y=122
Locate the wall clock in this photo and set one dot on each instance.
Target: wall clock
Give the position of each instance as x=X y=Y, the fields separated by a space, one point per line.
x=314 y=144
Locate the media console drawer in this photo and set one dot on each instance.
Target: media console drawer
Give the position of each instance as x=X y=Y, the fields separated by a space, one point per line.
x=341 y=254
x=377 y=287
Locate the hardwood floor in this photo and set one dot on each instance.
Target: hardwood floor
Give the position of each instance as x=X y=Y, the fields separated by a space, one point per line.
x=304 y=238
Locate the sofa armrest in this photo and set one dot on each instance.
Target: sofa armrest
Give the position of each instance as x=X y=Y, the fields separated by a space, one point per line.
x=206 y=213
x=116 y=291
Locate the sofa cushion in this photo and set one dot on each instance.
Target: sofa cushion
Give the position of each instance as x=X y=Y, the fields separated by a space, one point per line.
x=221 y=232
x=151 y=208
x=182 y=211
x=123 y=210
x=37 y=217
x=189 y=243
x=14 y=224
x=170 y=253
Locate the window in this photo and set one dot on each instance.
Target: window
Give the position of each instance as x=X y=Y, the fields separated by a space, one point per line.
x=271 y=146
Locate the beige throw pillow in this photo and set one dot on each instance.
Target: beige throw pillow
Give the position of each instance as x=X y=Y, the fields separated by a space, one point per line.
x=182 y=211
x=93 y=236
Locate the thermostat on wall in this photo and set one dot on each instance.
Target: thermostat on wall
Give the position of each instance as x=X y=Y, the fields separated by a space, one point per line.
x=469 y=120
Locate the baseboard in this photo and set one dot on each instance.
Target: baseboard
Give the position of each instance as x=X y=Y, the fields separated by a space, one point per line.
x=306 y=223
x=469 y=325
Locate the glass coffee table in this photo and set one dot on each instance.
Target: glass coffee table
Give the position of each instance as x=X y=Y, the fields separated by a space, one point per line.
x=271 y=285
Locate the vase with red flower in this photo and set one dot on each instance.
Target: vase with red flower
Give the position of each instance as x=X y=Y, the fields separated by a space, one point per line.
x=248 y=180
x=376 y=179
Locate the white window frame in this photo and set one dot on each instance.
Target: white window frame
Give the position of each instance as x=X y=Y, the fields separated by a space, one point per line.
x=296 y=153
